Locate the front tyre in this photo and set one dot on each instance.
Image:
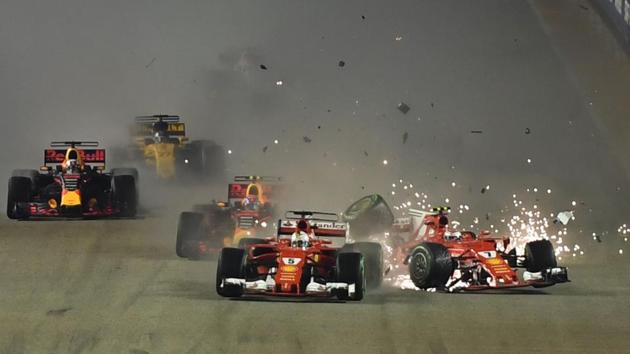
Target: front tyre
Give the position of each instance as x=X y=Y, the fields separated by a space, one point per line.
x=430 y=265
x=19 y=192
x=539 y=255
x=231 y=264
x=125 y=196
x=373 y=257
x=350 y=270
x=189 y=231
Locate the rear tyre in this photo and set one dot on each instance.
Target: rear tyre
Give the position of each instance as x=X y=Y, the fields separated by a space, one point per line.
x=368 y=216
x=125 y=196
x=189 y=230
x=19 y=192
x=125 y=171
x=430 y=266
x=373 y=257
x=539 y=255
x=231 y=264
x=30 y=174
x=350 y=270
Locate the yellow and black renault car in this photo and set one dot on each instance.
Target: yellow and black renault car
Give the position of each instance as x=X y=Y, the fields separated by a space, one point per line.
x=161 y=142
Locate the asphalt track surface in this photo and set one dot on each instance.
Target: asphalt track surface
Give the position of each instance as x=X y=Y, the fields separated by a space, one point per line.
x=115 y=286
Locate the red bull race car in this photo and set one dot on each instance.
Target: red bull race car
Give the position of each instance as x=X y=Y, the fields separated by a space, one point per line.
x=441 y=258
x=71 y=183
x=248 y=214
x=301 y=261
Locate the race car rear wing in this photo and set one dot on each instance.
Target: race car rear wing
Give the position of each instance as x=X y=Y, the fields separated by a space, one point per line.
x=73 y=143
x=237 y=191
x=266 y=179
x=311 y=215
x=320 y=228
x=144 y=125
x=89 y=156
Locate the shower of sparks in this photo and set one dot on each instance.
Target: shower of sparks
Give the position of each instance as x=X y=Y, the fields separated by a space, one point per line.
x=523 y=222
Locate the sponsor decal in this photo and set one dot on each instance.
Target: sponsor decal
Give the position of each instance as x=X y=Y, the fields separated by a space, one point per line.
x=291 y=261
x=87 y=155
x=495 y=261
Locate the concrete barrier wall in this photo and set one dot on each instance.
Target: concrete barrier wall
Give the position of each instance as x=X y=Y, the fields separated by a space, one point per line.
x=618 y=12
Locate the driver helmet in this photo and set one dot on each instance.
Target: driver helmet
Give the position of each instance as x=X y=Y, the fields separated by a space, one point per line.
x=300 y=238
x=72 y=165
x=159 y=137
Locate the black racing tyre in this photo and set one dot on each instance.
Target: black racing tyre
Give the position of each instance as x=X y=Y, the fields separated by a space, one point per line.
x=207 y=159
x=125 y=171
x=246 y=241
x=231 y=264
x=189 y=229
x=30 y=174
x=368 y=216
x=351 y=270
x=373 y=258
x=19 y=192
x=430 y=265
x=125 y=196
x=539 y=255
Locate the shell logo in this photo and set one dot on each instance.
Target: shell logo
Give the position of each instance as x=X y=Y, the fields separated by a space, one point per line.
x=495 y=261
x=289 y=269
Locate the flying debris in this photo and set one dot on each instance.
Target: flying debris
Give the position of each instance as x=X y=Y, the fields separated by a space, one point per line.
x=279 y=83
x=365 y=153
x=403 y=107
x=398 y=38
x=565 y=216
x=306 y=139
x=476 y=131
x=264 y=149
x=527 y=131
x=150 y=63
x=341 y=63
x=405 y=137
x=263 y=67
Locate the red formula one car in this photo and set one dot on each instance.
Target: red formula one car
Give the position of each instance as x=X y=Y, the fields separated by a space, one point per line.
x=248 y=214
x=297 y=262
x=74 y=186
x=453 y=261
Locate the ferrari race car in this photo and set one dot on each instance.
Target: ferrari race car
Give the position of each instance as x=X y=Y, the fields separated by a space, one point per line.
x=72 y=184
x=160 y=140
x=455 y=261
x=299 y=261
x=246 y=215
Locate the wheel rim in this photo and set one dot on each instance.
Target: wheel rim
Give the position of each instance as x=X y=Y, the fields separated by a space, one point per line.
x=419 y=271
